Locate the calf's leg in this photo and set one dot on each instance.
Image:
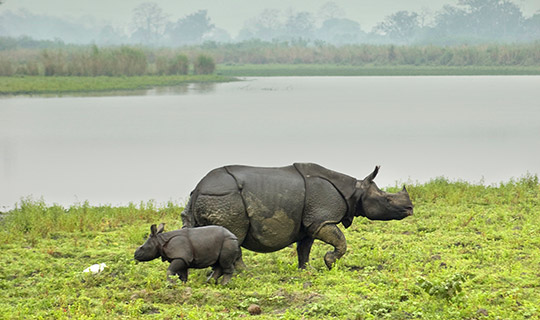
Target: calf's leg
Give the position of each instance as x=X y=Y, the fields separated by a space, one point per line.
x=179 y=267
x=230 y=253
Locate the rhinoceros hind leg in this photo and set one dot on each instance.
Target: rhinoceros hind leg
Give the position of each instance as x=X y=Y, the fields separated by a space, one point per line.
x=331 y=234
x=239 y=265
x=216 y=273
x=303 y=248
x=187 y=216
x=226 y=278
x=230 y=252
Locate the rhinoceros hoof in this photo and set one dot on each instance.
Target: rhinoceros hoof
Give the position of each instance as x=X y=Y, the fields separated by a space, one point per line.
x=226 y=278
x=329 y=259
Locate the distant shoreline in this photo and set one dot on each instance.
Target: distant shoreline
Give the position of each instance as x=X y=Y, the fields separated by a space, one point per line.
x=30 y=85
x=271 y=70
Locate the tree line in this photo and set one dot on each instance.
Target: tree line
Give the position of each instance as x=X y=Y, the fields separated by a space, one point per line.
x=470 y=21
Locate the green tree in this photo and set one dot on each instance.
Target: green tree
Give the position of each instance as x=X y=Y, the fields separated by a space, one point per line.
x=330 y=10
x=299 y=25
x=191 y=29
x=493 y=18
x=340 y=31
x=400 y=26
x=533 y=27
x=266 y=26
x=149 y=22
x=481 y=20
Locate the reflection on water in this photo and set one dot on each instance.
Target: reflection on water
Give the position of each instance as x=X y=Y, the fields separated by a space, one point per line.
x=196 y=88
x=181 y=89
x=159 y=143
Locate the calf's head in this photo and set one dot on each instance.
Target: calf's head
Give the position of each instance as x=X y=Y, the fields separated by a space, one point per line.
x=150 y=249
x=379 y=205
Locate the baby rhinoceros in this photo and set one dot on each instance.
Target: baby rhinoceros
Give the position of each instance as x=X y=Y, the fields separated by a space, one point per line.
x=198 y=248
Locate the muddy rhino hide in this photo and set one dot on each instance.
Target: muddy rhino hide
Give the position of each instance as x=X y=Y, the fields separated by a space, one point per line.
x=270 y=208
x=319 y=182
x=274 y=201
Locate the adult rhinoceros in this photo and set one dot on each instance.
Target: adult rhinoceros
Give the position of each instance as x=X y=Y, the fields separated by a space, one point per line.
x=270 y=208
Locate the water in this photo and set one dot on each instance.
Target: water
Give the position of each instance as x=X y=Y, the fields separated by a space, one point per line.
x=158 y=144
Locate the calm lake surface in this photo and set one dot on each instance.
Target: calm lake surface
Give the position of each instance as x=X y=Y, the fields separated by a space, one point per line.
x=158 y=144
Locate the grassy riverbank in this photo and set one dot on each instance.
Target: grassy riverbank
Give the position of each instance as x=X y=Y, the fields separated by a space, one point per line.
x=269 y=70
x=70 y=84
x=17 y=85
x=469 y=252
x=98 y=69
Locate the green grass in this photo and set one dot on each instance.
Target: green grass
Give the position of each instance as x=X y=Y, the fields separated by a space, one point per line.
x=267 y=70
x=68 y=84
x=469 y=252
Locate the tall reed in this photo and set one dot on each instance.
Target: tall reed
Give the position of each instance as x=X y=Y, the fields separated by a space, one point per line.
x=132 y=61
x=204 y=64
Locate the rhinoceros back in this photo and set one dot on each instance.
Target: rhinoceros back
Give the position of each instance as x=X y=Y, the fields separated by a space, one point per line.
x=263 y=207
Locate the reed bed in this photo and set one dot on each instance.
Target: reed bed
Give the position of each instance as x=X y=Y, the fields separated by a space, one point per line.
x=136 y=61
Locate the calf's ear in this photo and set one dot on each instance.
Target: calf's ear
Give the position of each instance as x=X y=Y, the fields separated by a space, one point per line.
x=153 y=230
x=161 y=227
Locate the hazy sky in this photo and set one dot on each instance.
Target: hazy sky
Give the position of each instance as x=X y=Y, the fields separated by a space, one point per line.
x=231 y=14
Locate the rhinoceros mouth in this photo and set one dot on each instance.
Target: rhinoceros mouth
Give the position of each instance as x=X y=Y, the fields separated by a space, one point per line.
x=408 y=211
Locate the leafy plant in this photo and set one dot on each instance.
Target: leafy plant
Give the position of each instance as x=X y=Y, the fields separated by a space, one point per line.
x=447 y=289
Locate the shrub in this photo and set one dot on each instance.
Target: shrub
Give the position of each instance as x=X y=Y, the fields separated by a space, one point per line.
x=179 y=65
x=172 y=66
x=204 y=65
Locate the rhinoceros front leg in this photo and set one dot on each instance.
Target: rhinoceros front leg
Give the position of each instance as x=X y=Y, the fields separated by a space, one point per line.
x=331 y=234
x=303 y=248
x=177 y=267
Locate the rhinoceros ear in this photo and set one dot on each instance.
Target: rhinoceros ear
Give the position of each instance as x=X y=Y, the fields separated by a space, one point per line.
x=372 y=175
x=161 y=227
x=404 y=189
x=153 y=230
